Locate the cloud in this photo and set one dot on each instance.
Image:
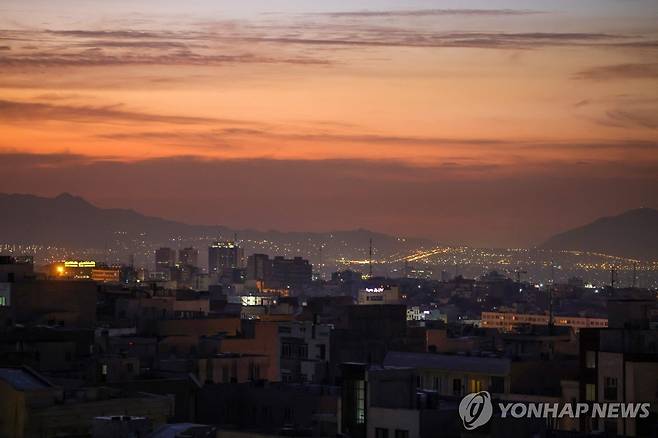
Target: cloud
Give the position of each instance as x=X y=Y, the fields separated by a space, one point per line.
x=619 y=72
x=646 y=118
x=107 y=33
x=34 y=111
x=92 y=58
x=412 y=38
x=430 y=13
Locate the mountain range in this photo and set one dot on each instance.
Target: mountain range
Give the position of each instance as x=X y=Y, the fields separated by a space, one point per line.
x=71 y=222
x=632 y=234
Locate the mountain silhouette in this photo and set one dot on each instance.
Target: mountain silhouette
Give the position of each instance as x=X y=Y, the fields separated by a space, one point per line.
x=632 y=234
x=70 y=221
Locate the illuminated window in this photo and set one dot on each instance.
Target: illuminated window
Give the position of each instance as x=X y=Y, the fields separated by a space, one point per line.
x=590 y=392
x=475 y=385
x=3 y=301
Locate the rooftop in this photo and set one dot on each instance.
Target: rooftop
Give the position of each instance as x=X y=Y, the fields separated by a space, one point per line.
x=23 y=379
x=474 y=364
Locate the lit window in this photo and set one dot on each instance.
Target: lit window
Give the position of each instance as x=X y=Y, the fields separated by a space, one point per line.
x=590 y=392
x=476 y=385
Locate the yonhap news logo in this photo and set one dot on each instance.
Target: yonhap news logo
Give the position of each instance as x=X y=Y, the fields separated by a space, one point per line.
x=476 y=410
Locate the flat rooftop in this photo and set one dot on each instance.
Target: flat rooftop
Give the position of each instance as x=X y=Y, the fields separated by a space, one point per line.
x=23 y=380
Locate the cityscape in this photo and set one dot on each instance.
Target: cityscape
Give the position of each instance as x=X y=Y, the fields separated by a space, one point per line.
x=337 y=219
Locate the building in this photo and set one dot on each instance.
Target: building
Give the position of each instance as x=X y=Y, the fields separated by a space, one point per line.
x=31 y=406
x=223 y=257
x=165 y=259
x=15 y=269
x=259 y=268
x=263 y=409
x=380 y=295
x=506 y=321
x=293 y=273
x=305 y=349
x=106 y=275
x=619 y=364
x=455 y=375
x=188 y=257
x=383 y=402
x=70 y=303
x=232 y=368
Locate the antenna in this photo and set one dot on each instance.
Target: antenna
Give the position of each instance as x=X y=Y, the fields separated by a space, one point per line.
x=320 y=264
x=370 y=259
x=550 y=300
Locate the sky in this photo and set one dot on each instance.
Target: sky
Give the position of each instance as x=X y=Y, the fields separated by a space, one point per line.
x=489 y=123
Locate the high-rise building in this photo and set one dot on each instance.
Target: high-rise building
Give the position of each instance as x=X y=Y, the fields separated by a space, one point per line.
x=165 y=259
x=188 y=257
x=224 y=256
x=259 y=267
x=291 y=273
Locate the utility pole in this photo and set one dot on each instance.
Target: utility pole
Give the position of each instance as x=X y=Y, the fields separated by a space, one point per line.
x=634 y=274
x=613 y=277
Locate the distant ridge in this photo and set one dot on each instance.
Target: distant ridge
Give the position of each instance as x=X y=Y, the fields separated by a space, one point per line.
x=632 y=234
x=70 y=221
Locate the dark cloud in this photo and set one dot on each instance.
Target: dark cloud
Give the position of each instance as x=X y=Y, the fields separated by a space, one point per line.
x=131 y=34
x=137 y=44
x=620 y=71
x=411 y=38
x=430 y=13
x=31 y=111
x=646 y=118
x=97 y=57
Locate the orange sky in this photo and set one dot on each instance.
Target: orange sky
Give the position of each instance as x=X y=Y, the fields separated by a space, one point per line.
x=468 y=91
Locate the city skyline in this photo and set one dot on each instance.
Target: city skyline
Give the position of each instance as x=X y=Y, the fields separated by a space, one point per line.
x=485 y=123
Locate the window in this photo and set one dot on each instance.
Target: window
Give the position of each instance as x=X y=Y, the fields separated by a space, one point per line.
x=590 y=392
x=381 y=432
x=288 y=414
x=610 y=388
x=590 y=359
x=497 y=385
x=360 y=393
x=457 y=386
x=475 y=385
x=419 y=382
x=435 y=386
x=400 y=433
x=3 y=301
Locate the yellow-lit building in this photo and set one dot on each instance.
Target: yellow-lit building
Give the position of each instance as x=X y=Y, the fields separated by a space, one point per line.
x=506 y=321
